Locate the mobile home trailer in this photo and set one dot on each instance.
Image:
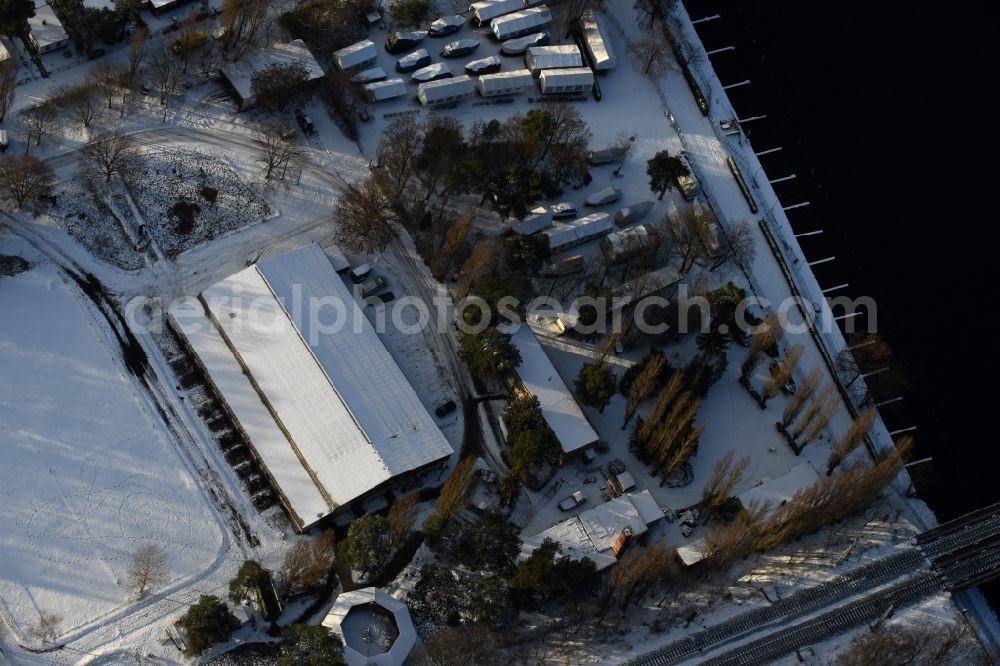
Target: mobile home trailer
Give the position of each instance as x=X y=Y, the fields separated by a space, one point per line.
x=578 y=231
x=563 y=56
x=521 y=23
x=484 y=12
x=595 y=40
x=383 y=90
x=444 y=91
x=576 y=79
x=505 y=83
x=356 y=56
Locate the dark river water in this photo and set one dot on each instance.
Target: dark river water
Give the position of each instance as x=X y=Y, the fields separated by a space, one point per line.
x=878 y=112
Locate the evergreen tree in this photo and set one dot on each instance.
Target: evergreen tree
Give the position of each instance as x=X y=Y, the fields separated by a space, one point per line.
x=207 y=623
x=595 y=385
x=367 y=544
x=306 y=645
x=663 y=170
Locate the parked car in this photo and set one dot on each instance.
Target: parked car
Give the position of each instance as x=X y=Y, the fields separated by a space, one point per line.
x=563 y=211
x=371 y=285
x=489 y=65
x=446 y=25
x=459 y=48
x=304 y=121
x=521 y=44
x=633 y=212
x=445 y=408
x=401 y=42
x=411 y=61
x=573 y=501
x=438 y=70
x=601 y=197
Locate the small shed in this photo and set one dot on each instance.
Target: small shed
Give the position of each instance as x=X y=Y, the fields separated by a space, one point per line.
x=382 y=90
x=562 y=56
x=46 y=30
x=370 y=75
x=356 y=56
x=505 y=83
x=576 y=79
x=444 y=91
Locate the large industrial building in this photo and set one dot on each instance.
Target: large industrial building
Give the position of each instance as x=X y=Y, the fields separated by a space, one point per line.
x=326 y=410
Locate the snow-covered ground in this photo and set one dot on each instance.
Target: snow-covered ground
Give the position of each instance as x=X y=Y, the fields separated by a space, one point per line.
x=88 y=474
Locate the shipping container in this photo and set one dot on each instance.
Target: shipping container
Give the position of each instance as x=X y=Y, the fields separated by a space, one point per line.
x=505 y=83
x=445 y=91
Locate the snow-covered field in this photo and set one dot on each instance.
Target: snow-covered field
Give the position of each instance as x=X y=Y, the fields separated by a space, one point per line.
x=88 y=474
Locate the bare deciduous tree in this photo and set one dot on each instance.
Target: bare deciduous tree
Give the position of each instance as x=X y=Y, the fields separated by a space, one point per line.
x=455 y=490
x=802 y=395
x=644 y=384
x=276 y=153
x=781 y=375
x=930 y=644
x=147 y=566
x=624 y=146
x=109 y=78
x=639 y=572
x=725 y=475
x=820 y=420
x=364 y=218
x=764 y=337
x=812 y=410
x=400 y=519
x=166 y=73
x=692 y=234
x=8 y=84
x=849 y=440
x=307 y=563
x=37 y=121
x=24 y=178
x=651 y=51
x=79 y=101
x=111 y=155
x=397 y=150
x=740 y=245
x=241 y=21
x=138 y=49
x=47 y=629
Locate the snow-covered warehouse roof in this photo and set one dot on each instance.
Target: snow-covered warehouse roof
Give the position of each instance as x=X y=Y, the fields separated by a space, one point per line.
x=593 y=532
x=559 y=407
x=579 y=231
x=382 y=90
x=595 y=39
x=781 y=489
x=349 y=416
x=401 y=647
x=301 y=493
x=239 y=73
x=560 y=56
x=360 y=54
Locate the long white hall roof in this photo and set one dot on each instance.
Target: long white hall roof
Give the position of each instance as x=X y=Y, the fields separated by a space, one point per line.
x=351 y=419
